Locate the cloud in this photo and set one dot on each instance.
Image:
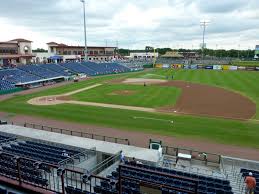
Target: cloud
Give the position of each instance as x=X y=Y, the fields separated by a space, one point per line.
x=134 y=23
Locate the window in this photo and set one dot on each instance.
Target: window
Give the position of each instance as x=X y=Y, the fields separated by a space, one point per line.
x=75 y=52
x=96 y=52
x=65 y=52
x=91 y=52
x=52 y=49
x=69 y=52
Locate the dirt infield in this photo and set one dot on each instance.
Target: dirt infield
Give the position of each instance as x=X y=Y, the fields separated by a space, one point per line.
x=195 y=99
x=204 y=100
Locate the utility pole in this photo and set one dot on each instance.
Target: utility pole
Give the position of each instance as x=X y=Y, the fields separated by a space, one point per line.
x=85 y=58
x=203 y=24
x=238 y=51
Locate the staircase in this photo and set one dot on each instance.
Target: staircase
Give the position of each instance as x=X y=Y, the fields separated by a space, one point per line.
x=234 y=177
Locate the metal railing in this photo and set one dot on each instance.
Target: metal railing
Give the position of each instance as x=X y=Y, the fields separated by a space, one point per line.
x=196 y=155
x=105 y=164
x=78 y=133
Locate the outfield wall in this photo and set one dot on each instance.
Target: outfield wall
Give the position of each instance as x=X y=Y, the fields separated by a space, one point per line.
x=208 y=67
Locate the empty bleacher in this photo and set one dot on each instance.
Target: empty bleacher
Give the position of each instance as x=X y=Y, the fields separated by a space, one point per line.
x=6 y=85
x=57 y=68
x=17 y=76
x=105 y=68
x=78 y=68
x=38 y=71
x=36 y=74
x=182 y=182
x=39 y=151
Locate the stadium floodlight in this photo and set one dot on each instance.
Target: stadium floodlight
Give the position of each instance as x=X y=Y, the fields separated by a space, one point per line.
x=203 y=24
x=85 y=58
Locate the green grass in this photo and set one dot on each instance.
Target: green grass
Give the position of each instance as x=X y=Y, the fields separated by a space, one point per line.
x=216 y=130
x=149 y=96
x=243 y=82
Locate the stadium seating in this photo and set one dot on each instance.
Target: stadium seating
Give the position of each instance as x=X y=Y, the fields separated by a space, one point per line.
x=105 y=68
x=28 y=174
x=17 y=76
x=144 y=173
x=34 y=73
x=78 y=68
x=6 y=85
x=245 y=173
x=38 y=71
x=39 y=151
x=57 y=68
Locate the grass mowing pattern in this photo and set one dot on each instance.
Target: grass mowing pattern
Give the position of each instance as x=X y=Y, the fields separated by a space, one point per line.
x=216 y=130
x=243 y=82
x=149 y=96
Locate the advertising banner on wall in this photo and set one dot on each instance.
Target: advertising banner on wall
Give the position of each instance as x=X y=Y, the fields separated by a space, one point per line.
x=193 y=66
x=158 y=65
x=209 y=67
x=250 y=68
x=180 y=66
x=241 y=68
x=166 y=65
x=225 y=67
x=233 y=68
x=217 y=67
x=186 y=66
x=200 y=66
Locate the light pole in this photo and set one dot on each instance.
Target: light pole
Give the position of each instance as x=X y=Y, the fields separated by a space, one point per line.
x=85 y=58
x=238 y=51
x=204 y=24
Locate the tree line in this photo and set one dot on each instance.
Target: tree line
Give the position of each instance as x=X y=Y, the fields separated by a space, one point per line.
x=245 y=54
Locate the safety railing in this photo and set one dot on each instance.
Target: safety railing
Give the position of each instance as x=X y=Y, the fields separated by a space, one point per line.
x=79 y=133
x=196 y=154
x=105 y=164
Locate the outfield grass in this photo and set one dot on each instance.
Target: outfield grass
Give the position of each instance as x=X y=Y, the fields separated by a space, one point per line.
x=215 y=130
x=244 y=82
x=131 y=95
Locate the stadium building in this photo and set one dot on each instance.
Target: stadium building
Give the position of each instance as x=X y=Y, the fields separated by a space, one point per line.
x=63 y=52
x=15 y=51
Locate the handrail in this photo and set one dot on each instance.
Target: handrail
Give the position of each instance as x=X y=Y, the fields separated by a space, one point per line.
x=85 y=153
x=104 y=162
x=82 y=134
x=177 y=149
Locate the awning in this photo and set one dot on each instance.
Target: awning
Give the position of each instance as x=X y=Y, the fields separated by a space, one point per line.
x=56 y=57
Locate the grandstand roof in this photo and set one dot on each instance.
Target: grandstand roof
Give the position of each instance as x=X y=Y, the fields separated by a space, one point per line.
x=21 y=40
x=62 y=45
x=102 y=146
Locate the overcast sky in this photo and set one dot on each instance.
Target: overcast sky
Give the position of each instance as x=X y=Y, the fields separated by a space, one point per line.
x=133 y=23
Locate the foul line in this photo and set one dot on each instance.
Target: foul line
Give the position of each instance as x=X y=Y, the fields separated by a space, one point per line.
x=150 y=118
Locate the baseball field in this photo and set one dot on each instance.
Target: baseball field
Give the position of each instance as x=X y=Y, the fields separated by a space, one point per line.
x=214 y=106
